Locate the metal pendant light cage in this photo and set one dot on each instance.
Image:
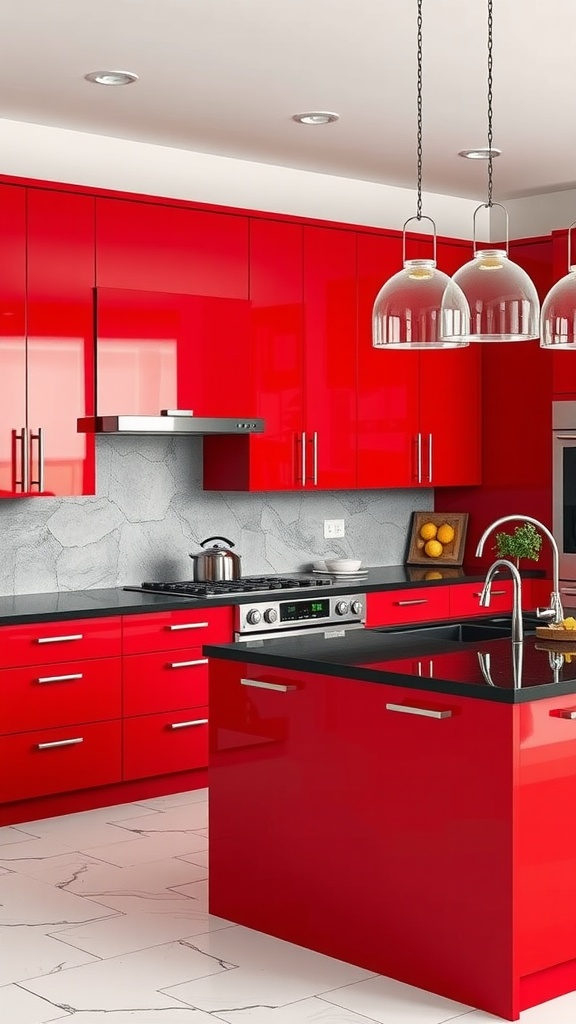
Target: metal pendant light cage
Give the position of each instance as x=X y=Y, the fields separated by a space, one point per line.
x=503 y=300
x=558 y=317
x=420 y=307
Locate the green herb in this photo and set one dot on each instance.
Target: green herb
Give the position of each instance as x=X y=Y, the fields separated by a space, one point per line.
x=525 y=542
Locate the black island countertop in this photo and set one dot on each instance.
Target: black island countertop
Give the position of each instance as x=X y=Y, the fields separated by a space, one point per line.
x=73 y=604
x=505 y=673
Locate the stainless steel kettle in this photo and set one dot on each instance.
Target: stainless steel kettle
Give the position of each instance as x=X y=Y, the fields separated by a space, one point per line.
x=216 y=562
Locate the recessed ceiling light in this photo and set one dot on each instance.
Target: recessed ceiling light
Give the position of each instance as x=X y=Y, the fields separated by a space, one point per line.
x=479 y=154
x=316 y=117
x=111 y=77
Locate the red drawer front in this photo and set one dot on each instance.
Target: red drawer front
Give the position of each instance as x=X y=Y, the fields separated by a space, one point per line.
x=168 y=631
x=28 y=768
x=43 y=643
x=465 y=599
x=165 y=681
x=48 y=696
x=421 y=604
x=160 y=744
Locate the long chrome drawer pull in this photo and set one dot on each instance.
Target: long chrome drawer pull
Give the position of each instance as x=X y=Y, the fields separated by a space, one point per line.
x=426 y=712
x=422 y=600
x=567 y=590
x=57 y=639
x=186 y=664
x=60 y=743
x=493 y=593
x=188 y=625
x=267 y=686
x=566 y=437
x=185 y=725
x=564 y=713
x=59 y=679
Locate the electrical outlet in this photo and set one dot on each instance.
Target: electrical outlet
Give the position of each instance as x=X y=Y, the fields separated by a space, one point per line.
x=334 y=528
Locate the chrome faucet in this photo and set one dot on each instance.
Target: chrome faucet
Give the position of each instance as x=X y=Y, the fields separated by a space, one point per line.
x=503 y=563
x=554 y=613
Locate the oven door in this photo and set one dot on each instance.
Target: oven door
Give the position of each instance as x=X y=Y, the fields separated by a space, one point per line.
x=335 y=629
x=564 y=506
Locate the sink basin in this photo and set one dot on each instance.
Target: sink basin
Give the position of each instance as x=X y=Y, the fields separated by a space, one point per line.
x=452 y=632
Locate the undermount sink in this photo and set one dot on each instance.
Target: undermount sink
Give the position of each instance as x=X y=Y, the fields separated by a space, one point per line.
x=459 y=632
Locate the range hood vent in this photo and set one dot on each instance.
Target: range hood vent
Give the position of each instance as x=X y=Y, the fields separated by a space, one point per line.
x=170 y=421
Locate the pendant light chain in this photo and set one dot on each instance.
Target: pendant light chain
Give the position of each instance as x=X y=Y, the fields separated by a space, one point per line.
x=419 y=117
x=490 y=136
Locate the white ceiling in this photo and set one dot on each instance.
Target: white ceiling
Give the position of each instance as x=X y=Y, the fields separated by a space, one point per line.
x=225 y=76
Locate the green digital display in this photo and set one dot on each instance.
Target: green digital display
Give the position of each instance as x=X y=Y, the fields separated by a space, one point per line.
x=299 y=611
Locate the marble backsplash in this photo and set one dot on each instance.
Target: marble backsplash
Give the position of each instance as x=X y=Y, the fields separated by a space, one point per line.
x=150 y=511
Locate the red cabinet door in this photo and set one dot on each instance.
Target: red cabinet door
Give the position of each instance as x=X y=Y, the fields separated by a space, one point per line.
x=12 y=338
x=47 y=643
x=165 y=681
x=423 y=604
x=389 y=448
x=48 y=696
x=174 y=741
x=330 y=357
x=60 y=341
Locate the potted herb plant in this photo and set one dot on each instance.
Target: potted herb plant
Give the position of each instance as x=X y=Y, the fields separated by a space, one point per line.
x=525 y=542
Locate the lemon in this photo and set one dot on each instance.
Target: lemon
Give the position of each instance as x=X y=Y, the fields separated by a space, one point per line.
x=433 y=548
x=428 y=531
x=569 y=623
x=445 y=533
x=433 y=574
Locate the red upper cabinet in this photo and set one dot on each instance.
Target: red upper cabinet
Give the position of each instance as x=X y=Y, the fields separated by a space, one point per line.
x=419 y=413
x=12 y=338
x=47 y=342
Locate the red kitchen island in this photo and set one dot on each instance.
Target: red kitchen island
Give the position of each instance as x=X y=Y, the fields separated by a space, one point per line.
x=423 y=828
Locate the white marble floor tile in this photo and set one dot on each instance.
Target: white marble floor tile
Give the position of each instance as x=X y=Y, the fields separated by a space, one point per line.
x=43 y=826
x=270 y=972
x=14 y=854
x=306 y=1011
x=26 y=901
x=12 y=834
x=150 y=848
x=20 y=1007
x=391 y=1002
x=132 y=982
x=197 y=857
x=82 y=834
x=179 y=1015
x=557 y=1011
x=85 y=876
x=65 y=871
x=161 y=803
x=29 y=953
x=184 y=817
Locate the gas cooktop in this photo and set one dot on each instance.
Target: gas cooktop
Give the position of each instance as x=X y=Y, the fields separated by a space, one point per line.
x=245 y=585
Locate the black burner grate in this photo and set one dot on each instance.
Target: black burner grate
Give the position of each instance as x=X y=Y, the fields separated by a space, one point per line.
x=246 y=585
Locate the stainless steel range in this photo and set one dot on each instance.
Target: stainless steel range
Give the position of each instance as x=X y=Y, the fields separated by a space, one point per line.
x=272 y=615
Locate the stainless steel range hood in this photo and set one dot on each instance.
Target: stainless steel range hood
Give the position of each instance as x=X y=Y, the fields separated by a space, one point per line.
x=170 y=421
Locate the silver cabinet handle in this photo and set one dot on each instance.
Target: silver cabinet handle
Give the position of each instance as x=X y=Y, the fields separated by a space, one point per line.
x=430 y=669
x=58 y=639
x=187 y=625
x=566 y=437
x=187 y=664
x=564 y=713
x=426 y=712
x=419 y=444
x=315 y=456
x=187 y=725
x=567 y=590
x=40 y=438
x=59 y=679
x=429 y=458
x=303 y=458
x=493 y=593
x=266 y=686
x=420 y=600
x=60 y=743
x=24 y=482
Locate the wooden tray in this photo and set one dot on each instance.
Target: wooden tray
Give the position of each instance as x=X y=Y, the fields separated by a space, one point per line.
x=563 y=636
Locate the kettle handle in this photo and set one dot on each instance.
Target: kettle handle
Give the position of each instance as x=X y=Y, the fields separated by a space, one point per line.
x=228 y=542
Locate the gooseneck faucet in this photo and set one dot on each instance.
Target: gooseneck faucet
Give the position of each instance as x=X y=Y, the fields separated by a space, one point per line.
x=554 y=613
x=503 y=563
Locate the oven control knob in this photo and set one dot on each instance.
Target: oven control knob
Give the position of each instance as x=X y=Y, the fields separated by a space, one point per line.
x=341 y=607
x=356 y=607
x=253 y=617
x=270 y=615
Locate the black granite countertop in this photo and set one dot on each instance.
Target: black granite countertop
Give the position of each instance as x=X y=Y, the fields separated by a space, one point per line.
x=513 y=674
x=21 y=608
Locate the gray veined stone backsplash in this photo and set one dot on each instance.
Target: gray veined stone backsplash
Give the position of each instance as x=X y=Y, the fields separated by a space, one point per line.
x=150 y=512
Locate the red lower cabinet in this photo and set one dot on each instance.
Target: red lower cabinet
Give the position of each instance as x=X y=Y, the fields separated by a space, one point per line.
x=81 y=756
x=465 y=599
x=396 y=607
x=165 y=743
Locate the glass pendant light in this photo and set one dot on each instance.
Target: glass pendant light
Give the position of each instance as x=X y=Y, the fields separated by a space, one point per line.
x=503 y=301
x=420 y=307
x=558 y=320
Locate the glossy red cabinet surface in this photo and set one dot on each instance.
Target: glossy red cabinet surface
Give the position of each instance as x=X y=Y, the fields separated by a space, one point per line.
x=160 y=682
x=12 y=337
x=43 y=643
x=52 y=760
x=171 y=630
x=48 y=696
x=465 y=598
x=391 y=607
x=169 y=742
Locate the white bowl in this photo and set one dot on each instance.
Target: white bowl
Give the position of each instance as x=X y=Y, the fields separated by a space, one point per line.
x=343 y=564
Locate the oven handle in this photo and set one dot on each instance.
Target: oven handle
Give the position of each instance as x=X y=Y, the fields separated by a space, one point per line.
x=279 y=634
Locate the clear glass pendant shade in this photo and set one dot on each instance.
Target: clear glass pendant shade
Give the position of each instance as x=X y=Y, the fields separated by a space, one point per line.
x=558 y=319
x=504 y=304
x=420 y=307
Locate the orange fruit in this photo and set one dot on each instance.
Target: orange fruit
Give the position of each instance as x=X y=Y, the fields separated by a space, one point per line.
x=428 y=531
x=445 y=533
x=433 y=549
